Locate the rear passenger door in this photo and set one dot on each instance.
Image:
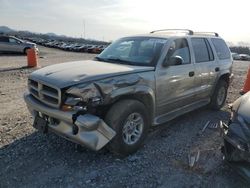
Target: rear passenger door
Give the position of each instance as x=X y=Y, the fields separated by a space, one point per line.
x=206 y=66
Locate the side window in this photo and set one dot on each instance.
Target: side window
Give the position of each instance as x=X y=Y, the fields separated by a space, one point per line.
x=179 y=47
x=4 y=39
x=11 y=40
x=210 y=51
x=221 y=48
x=201 y=50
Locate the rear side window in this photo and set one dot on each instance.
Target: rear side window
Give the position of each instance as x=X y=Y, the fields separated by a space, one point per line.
x=4 y=39
x=221 y=48
x=201 y=50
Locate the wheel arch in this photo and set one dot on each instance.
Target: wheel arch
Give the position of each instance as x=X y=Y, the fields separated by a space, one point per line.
x=225 y=76
x=26 y=48
x=144 y=95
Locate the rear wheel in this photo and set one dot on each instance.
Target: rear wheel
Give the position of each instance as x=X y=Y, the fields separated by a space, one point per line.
x=219 y=95
x=130 y=121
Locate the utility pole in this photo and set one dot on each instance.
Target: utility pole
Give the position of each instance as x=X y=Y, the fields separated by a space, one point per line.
x=84 y=28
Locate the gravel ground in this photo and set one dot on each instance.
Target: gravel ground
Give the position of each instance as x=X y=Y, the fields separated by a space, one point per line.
x=31 y=159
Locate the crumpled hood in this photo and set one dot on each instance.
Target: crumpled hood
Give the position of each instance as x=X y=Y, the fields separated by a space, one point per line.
x=72 y=73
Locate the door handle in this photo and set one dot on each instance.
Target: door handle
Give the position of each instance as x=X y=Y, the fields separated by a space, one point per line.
x=191 y=73
x=217 y=69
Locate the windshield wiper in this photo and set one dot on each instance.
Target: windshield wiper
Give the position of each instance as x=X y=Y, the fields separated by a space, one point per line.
x=99 y=58
x=121 y=61
x=116 y=60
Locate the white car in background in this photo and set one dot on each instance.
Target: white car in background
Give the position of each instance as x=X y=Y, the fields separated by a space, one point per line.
x=13 y=44
x=236 y=56
x=244 y=57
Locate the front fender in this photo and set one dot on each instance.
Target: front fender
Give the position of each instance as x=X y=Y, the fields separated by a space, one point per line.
x=142 y=93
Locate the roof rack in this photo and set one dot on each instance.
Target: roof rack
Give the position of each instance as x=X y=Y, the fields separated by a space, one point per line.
x=187 y=31
x=206 y=33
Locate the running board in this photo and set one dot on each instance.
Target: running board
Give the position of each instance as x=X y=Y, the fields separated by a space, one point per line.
x=180 y=111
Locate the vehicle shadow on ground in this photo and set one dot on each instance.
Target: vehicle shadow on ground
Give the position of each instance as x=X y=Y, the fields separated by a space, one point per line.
x=15 y=69
x=209 y=115
x=11 y=54
x=52 y=158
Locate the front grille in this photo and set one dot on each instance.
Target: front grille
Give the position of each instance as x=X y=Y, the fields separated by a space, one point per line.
x=44 y=93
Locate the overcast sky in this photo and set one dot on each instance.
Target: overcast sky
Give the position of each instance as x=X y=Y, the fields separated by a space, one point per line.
x=111 y=19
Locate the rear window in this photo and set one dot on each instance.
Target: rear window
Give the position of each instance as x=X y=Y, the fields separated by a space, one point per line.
x=221 y=48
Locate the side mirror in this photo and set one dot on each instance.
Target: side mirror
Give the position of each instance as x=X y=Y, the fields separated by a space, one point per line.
x=176 y=60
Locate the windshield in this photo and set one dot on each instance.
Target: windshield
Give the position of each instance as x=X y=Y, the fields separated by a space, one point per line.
x=140 y=51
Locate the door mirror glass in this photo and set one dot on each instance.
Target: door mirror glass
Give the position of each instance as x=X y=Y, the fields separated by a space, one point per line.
x=176 y=60
x=172 y=61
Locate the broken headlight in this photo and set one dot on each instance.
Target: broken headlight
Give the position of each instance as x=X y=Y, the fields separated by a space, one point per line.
x=82 y=96
x=73 y=103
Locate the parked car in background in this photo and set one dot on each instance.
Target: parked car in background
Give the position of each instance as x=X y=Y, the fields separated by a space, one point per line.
x=98 y=49
x=244 y=57
x=236 y=56
x=91 y=48
x=80 y=48
x=85 y=48
x=13 y=44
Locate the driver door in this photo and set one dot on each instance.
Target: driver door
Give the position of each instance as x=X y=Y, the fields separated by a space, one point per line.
x=14 y=45
x=175 y=83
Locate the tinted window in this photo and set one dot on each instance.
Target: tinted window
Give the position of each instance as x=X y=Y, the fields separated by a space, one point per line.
x=200 y=50
x=221 y=48
x=4 y=39
x=179 y=47
x=12 y=40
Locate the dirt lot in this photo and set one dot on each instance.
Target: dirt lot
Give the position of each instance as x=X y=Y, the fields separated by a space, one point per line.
x=31 y=159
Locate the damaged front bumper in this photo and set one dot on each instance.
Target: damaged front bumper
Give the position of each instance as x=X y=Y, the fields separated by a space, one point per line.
x=236 y=152
x=87 y=130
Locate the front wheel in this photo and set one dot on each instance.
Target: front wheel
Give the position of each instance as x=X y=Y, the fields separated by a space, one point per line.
x=129 y=119
x=219 y=96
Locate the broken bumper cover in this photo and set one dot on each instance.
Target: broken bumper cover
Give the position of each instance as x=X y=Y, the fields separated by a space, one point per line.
x=236 y=152
x=92 y=131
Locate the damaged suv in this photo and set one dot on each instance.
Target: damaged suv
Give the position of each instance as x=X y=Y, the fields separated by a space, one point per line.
x=137 y=82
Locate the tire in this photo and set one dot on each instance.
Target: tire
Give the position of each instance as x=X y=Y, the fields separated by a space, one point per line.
x=129 y=137
x=219 y=96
